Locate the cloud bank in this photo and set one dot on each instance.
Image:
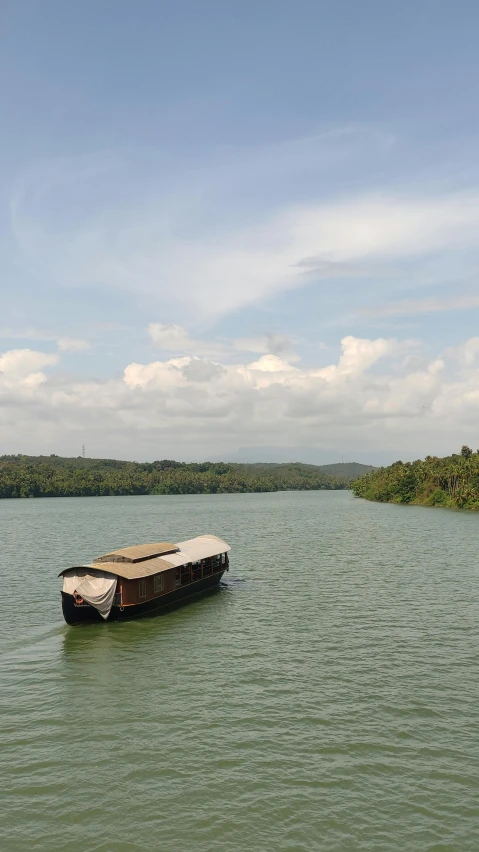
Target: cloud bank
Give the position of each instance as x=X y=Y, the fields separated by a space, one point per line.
x=381 y=394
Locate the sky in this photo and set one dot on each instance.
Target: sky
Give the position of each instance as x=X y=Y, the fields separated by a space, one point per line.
x=239 y=230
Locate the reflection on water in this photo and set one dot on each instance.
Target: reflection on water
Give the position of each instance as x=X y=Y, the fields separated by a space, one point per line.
x=325 y=697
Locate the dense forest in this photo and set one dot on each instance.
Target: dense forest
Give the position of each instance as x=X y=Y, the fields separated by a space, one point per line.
x=53 y=476
x=451 y=482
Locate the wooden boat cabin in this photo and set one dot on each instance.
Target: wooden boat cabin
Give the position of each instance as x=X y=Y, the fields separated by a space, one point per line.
x=139 y=580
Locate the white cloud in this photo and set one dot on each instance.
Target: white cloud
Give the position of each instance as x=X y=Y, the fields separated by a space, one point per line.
x=379 y=395
x=73 y=344
x=466 y=352
x=271 y=364
x=21 y=362
x=21 y=368
x=158 y=374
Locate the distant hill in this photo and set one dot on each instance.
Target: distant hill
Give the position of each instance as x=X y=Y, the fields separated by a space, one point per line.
x=347 y=470
x=306 y=455
x=54 y=476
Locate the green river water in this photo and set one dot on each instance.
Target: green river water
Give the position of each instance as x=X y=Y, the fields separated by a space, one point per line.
x=325 y=698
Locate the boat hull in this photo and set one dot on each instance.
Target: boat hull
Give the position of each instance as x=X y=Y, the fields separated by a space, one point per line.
x=84 y=613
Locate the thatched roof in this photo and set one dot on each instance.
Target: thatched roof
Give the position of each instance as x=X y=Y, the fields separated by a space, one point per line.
x=132 y=570
x=139 y=566
x=138 y=552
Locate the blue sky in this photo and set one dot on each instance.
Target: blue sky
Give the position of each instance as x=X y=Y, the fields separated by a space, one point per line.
x=201 y=202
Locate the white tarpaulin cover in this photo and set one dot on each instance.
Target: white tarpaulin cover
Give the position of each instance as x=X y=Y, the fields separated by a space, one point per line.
x=97 y=589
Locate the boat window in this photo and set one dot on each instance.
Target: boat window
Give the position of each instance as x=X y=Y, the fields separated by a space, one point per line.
x=142 y=589
x=186 y=575
x=196 y=572
x=177 y=578
x=158 y=584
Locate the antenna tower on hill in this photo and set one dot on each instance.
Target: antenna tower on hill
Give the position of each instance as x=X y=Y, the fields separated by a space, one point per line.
x=83 y=451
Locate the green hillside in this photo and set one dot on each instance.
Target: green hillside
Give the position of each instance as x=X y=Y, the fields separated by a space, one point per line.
x=451 y=482
x=53 y=476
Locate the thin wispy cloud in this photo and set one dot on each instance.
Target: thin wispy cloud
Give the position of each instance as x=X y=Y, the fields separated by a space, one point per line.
x=176 y=339
x=412 y=307
x=65 y=344
x=216 y=274
x=73 y=344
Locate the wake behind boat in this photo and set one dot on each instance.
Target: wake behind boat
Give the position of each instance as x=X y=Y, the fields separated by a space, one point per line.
x=142 y=579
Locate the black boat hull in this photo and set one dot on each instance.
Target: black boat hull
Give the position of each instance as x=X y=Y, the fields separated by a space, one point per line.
x=84 y=613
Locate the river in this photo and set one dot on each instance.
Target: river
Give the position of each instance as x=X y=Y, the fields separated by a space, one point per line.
x=325 y=698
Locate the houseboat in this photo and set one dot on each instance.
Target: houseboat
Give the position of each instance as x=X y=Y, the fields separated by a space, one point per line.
x=142 y=579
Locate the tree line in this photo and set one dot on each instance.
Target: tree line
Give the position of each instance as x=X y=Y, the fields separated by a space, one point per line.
x=451 y=482
x=53 y=476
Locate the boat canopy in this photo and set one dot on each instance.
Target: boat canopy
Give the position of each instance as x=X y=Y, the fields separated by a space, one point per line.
x=96 y=588
x=140 y=566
